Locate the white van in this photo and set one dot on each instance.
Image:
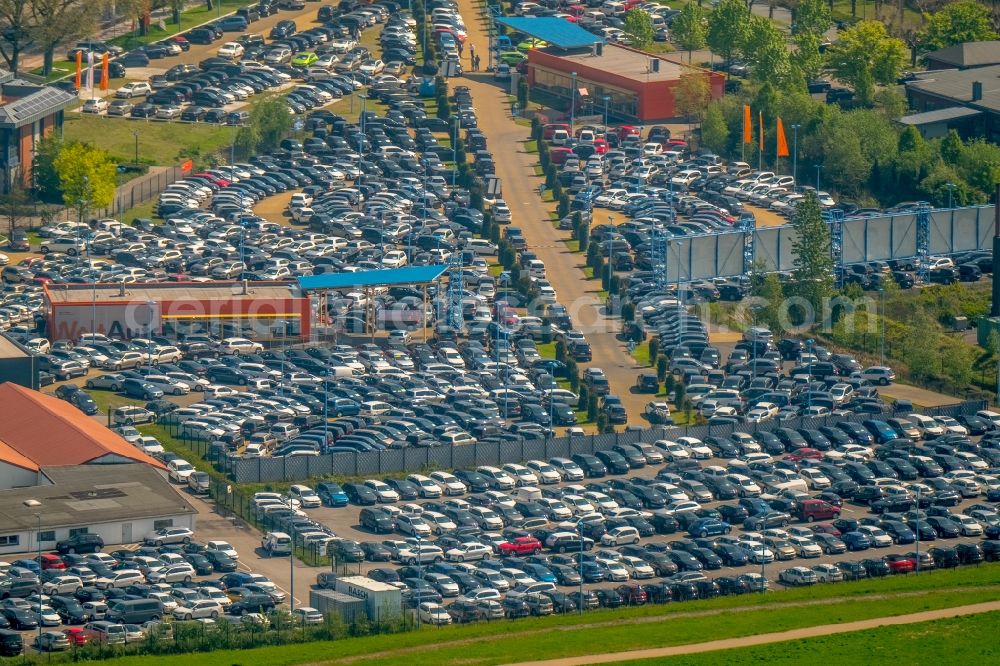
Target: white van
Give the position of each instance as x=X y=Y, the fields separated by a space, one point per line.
x=612 y=8
x=536 y=269
x=276 y=544
x=526 y=494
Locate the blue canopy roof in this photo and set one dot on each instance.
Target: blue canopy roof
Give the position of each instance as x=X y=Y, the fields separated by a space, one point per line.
x=556 y=31
x=389 y=277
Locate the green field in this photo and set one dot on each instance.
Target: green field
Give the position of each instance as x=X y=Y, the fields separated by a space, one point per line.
x=963 y=640
x=638 y=628
x=160 y=143
x=189 y=19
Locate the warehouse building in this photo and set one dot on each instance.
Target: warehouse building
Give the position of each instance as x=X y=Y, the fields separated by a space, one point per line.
x=639 y=86
x=17 y=364
x=260 y=310
x=39 y=430
x=121 y=503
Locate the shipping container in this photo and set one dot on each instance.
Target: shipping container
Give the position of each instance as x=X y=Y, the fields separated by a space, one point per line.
x=382 y=602
x=343 y=606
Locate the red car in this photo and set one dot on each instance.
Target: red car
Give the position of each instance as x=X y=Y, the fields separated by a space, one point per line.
x=51 y=561
x=633 y=595
x=826 y=528
x=805 y=454
x=601 y=146
x=525 y=545
x=901 y=563
x=76 y=635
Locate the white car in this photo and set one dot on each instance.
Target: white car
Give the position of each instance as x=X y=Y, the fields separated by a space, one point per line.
x=240 y=346
x=432 y=613
x=199 y=609
x=420 y=554
x=637 y=568
x=449 y=483
x=620 y=536
x=806 y=547
x=798 y=576
x=828 y=573
x=307 y=615
x=62 y=585
x=968 y=526
x=233 y=50
x=134 y=89
x=385 y=493
x=169 y=535
x=438 y=522
x=179 y=470
x=428 y=488
x=469 y=552
x=545 y=472
x=413 y=526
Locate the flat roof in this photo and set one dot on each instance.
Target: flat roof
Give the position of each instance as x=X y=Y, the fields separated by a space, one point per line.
x=624 y=62
x=386 y=277
x=90 y=494
x=556 y=31
x=160 y=291
x=956 y=86
x=10 y=349
x=939 y=115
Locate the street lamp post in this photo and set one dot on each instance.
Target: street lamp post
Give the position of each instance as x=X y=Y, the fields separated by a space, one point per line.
x=454 y=152
x=580 y=565
x=572 y=105
x=881 y=298
x=135 y=134
x=916 y=532
x=361 y=139
x=818 y=167
x=809 y=346
x=607 y=98
x=291 y=565
x=611 y=261
x=795 y=154
x=36 y=505
x=951 y=193
x=149 y=334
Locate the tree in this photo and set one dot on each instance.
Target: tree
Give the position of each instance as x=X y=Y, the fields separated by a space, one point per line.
x=766 y=52
x=811 y=16
x=55 y=22
x=639 y=28
x=692 y=95
x=952 y=147
x=271 y=121
x=689 y=30
x=44 y=170
x=728 y=27
x=813 y=272
x=807 y=60
x=714 y=130
x=768 y=295
x=86 y=174
x=958 y=22
x=866 y=55
x=15 y=36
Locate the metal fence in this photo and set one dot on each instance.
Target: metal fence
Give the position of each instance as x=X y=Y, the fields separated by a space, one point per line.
x=391 y=461
x=140 y=190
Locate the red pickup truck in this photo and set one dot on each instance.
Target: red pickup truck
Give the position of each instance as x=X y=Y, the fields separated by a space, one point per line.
x=526 y=545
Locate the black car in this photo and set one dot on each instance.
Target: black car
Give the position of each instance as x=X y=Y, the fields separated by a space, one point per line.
x=591 y=465
x=80 y=543
x=221 y=562
x=358 y=493
x=252 y=603
x=945 y=558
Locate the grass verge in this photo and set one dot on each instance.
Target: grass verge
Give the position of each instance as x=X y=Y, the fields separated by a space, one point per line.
x=920 y=643
x=159 y=142
x=637 y=628
x=641 y=354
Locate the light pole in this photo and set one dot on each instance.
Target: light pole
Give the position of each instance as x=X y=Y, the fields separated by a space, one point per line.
x=611 y=259
x=916 y=533
x=818 y=167
x=291 y=565
x=795 y=154
x=36 y=506
x=361 y=139
x=454 y=152
x=607 y=98
x=572 y=105
x=579 y=562
x=881 y=298
x=809 y=346
x=951 y=193
x=135 y=134
x=149 y=334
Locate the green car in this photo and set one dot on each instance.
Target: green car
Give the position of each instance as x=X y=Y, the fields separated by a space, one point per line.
x=304 y=59
x=531 y=43
x=512 y=58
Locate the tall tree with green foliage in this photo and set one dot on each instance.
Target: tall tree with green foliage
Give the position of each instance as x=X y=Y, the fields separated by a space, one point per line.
x=767 y=296
x=765 y=51
x=692 y=95
x=639 y=28
x=866 y=55
x=87 y=175
x=958 y=22
x=728 y=28
x=813 y=273
x=811 y=16
x=807 y=61
x=268 y=124
x=689 y=30
x=714 y=130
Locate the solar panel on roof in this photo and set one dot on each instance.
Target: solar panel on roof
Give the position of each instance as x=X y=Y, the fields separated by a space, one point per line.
x=556 y=31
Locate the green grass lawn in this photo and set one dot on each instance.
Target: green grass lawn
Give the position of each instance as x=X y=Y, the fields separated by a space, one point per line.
x=962 y=640
x=189 y=19
x=108 y=401
x=165 y=144
x=641 y=354
x=547 y=350
x=636 y=628
x=572 y=245
x=531 y=146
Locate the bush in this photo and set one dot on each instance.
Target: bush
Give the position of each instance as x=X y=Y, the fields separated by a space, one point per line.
x=661 y=372
x=584 y=401
x=584 y=236
x=550 y=176
x=563 y=208
x=561 y=351
x=654 y=349
x=591 y=407
x=628 y=311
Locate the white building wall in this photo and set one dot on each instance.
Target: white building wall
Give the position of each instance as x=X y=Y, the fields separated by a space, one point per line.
x=114 y=533
x=12 y=476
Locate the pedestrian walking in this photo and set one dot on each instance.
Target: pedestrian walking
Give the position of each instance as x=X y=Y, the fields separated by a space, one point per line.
x=475 y=63
x=472 y=56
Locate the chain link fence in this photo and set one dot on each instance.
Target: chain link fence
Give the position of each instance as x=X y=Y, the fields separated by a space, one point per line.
x=140 y=190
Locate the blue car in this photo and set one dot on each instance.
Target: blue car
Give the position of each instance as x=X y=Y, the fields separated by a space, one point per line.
x=880 y=430
x=31 y=565
x=331 y=494
x=856 y=541
x=539 y=573
x=343 y=407
x=706 y=527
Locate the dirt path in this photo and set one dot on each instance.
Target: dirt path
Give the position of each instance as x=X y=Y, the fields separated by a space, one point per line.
x=515 y=167
x=776 y=637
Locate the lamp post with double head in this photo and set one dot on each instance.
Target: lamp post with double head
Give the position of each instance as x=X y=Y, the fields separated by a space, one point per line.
x=35 y=506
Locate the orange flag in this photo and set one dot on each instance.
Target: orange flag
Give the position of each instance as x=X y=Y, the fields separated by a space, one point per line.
x=79 y=68
x=782 y=142
x=760 y=124
x=747 y=125
x=104 y=72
